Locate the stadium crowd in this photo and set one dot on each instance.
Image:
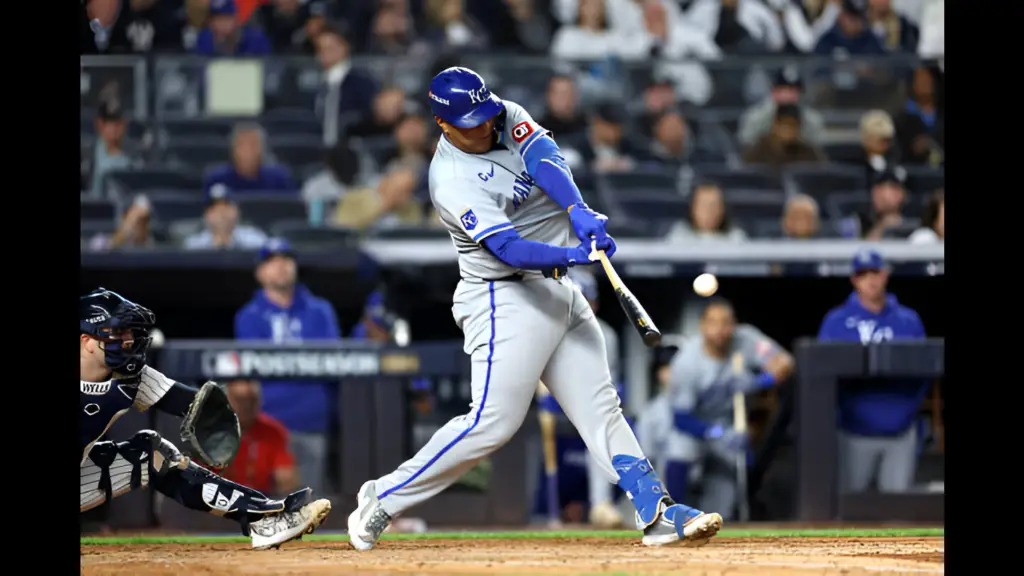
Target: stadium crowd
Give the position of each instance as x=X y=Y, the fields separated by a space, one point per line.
x=790 y=149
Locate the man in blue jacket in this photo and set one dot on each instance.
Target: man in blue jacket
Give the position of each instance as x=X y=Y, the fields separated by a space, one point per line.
x=249 y=170
x=224 y=36
x=285 y=312
x=877 y=420
x=851 y=34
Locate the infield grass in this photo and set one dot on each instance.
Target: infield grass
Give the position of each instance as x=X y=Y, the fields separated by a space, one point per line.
x=534 y=535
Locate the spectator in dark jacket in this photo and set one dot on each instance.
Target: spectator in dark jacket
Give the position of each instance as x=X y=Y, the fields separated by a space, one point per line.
x=850 y=34
x=248 y=170
x=783 y=144
x=562 y=107
x=346 y=89
x=225 y=36
x=288 y=24
x=894 y=31
x=286 y=313
x=919 y=127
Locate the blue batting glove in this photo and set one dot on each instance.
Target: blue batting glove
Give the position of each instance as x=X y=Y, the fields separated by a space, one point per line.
x=587 y=223
x=727 y=437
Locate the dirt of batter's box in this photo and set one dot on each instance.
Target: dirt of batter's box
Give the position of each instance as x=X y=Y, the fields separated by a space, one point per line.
x=723 y=556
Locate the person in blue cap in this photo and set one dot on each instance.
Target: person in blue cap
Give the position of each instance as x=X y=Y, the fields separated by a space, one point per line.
x=878 y=436
x=222 y=227
x=285 y=312
x=224 y=35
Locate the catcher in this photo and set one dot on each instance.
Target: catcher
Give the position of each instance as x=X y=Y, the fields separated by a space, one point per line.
x=114 y=378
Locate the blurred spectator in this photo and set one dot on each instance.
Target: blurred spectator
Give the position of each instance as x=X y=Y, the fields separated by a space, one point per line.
x=920 y=128
x=148 y=25
x=96 y=18
x=222 y=227
x=226 y=35
x=876 y=137
x=783 y=144
x=590 y=37
x=805 y=21
x=933 y=31
x=132 y=232
x=285 y=312
x=392 y=31
x=451 y=28
x=801 y=218
x=293 y=25
x=738 y=26
x=895 y=32
x=346 y=89
x=673 y=142
x=392 y=203
x=850 y=35
x=378 y=323
x=339 y=176
x=659 y=96
x=933 y=230
x=877 y=436
x=249 y=169
x=562 y=114
x=264 y=461
x=607 y=149
x=412 y=145
x=110 y=152
x=758 y=119
x=708 y=218
x=387 y=108
x=197 y=12
x=888 y=195
x=516 y=25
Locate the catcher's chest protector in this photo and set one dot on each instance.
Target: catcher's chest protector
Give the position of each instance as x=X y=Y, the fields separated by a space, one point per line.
x=101 y=403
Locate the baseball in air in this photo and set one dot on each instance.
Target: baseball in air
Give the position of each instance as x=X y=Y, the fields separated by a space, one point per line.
x=705 y=284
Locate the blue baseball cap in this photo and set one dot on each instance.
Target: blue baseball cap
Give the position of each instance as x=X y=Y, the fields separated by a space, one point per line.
x=276 y=247
x=376 y=310
x=867 y=260
x=223 y=8
x=218 y=193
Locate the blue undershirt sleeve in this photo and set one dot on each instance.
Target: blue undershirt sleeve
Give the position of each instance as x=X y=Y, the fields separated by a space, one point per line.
x=690 y=424
x=517 y=252
x=545 y=163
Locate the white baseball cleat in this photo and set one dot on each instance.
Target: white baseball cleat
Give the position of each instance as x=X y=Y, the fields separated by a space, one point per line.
x=680 y=523
x=368 y=521
x=275 y=529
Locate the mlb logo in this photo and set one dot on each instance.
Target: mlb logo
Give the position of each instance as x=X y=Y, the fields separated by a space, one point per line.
x=469 y=220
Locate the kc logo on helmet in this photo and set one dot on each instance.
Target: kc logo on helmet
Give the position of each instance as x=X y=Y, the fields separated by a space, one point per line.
x=521 y=131
x=480 y=95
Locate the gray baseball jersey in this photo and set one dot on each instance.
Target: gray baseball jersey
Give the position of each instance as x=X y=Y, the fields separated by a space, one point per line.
x=477 y=195
x=698 y=383
x=517 y=332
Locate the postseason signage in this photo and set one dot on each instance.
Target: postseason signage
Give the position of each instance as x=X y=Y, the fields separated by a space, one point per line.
x=326 y=364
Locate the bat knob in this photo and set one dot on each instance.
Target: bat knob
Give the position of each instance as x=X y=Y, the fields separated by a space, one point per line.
x=652 y=339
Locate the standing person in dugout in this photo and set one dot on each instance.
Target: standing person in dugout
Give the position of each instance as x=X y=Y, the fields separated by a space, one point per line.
x=878 y=436
x=703 y=377
x=115 y=336
x=518 y=222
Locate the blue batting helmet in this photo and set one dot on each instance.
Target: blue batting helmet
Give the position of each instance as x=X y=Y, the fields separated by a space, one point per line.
x=460 y=97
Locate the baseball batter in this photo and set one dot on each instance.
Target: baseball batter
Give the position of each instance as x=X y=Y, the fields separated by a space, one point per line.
x=114 y=379
x=703 y=376
x=518 y=222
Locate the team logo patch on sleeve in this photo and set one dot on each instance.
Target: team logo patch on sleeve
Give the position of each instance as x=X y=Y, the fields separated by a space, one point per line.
x=469 y=220
x=521 y=131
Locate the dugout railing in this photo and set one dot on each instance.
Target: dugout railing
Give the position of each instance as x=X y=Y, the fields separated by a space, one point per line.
x=822 y=368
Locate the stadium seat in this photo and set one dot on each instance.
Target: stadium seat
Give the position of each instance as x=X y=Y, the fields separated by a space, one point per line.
x=626 y=182
x=754 y=204
x=924 y=180
x=765 y=228
x=844 y=152
x=168 y=207
x=215 y=130
x=123 y=183
x=905 y=229
x=89 y=228
x=378 y=148
x=623 y=228
x=98 y=209
x=291 y=122
x=298 y=151
x=820 y=180
x=301 y=233
x=741 y=177
x=847 y=204
x=196 y=153
x=264 y=209
x=410 y=233
x=652 y=205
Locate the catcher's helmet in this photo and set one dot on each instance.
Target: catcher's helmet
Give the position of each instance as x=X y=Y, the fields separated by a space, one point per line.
x=121 y=325
x=460 y=97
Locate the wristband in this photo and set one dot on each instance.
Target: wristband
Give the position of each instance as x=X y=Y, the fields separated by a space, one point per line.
x=765 y=380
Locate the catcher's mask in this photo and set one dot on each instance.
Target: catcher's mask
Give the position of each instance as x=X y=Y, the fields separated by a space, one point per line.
x=122 y=326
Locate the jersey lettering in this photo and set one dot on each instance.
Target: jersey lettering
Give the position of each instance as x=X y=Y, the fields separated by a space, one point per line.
x=521 y=189
x=480 y=95
x=869 y=335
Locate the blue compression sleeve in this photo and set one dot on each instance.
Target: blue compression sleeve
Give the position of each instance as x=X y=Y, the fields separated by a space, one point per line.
x=513 y=250
x=690 y=424
x=545 y=163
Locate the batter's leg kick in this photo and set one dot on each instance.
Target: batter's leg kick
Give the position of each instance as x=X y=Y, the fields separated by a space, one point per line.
x=527 y=331
x=146 y=459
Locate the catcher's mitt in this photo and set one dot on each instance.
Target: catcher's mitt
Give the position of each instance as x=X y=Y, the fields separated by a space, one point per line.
x=210 y=428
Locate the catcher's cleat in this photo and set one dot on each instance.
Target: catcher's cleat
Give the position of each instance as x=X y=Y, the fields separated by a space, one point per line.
x=679 y=523
x=606 y=515
x=300 y=516
x=368 y=521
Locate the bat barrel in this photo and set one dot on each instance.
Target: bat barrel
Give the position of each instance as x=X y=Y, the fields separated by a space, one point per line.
x=652 y=338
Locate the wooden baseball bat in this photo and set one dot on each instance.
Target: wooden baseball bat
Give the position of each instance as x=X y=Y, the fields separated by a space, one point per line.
x=739 y=424
x=638 y=317
x=547 y=434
